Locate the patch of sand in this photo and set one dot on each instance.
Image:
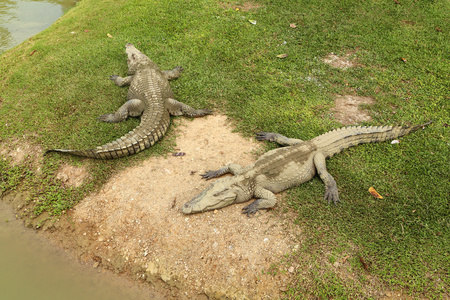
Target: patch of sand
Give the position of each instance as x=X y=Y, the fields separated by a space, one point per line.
x=340 y=62
x=347 y=110
x=134 y=223
x=72 y=175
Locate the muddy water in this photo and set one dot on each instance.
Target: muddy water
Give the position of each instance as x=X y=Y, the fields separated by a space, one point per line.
x=21 y=19
x=30 y=268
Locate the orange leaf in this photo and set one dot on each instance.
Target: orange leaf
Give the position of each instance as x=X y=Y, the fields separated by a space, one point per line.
x=375 y=193
x=292 y=25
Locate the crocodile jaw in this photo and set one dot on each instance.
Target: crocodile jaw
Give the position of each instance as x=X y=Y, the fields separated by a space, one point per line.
x=219 y=194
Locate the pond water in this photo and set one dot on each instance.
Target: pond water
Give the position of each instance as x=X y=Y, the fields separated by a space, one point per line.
x=30 y=268
x=21 y=19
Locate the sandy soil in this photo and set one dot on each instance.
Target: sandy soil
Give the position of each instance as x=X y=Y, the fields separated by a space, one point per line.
x=134 y=223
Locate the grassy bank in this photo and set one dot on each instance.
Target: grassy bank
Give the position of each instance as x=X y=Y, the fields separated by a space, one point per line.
x=55 y=84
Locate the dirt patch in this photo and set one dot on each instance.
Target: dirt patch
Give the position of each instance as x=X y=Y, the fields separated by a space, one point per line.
x=20 y=149
x=134 y=224
x=347 y=110
x=341 y=62
x=72 y=175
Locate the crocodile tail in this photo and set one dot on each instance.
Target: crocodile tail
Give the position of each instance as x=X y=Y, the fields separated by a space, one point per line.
x=85 y=153
x=153 y=125
x=337 y=140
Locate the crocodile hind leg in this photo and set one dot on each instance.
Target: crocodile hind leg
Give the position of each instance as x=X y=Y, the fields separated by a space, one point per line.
x=231 y=168
x=177 y=108
x=173 y=74
x=331 y=190
x=266 y=199
x=131 y=108
x=278 y=138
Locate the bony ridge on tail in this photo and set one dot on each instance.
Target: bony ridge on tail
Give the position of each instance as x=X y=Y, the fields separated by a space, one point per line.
x=149 y=97
x=283 y=168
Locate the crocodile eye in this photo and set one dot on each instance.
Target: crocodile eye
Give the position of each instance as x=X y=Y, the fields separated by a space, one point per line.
x=221 y=192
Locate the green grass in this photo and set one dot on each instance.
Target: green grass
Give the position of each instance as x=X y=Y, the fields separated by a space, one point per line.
x=51 y=98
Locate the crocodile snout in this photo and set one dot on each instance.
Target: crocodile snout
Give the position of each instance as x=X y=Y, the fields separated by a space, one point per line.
x=186 y=209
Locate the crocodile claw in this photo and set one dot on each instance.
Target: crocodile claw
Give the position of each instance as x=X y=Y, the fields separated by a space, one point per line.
x=264 y=136
x=201 y=113
x=331 y=194
x=209 y=175
x=250 y=209
x=108 y=118
x=113 y=77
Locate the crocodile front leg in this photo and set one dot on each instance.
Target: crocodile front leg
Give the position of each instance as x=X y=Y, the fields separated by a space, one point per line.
x=278 y=138
x=266 y=199
x=177 y=108
x=231 y=168
x=121 y=81
x=331 y=191
x=132 y=108
x=173 y=74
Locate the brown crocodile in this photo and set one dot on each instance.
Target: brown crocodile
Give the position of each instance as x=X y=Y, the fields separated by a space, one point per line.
x=150 y=97
x=283 y=168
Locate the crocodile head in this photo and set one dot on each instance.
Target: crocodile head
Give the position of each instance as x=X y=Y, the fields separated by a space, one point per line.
x=219 y=194
x=137 y=59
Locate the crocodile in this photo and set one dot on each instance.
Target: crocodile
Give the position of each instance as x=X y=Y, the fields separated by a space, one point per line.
x=149 y=97
x=283 y=168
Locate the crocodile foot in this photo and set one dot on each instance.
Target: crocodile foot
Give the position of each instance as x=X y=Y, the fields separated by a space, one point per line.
x=265 y=136
x=211 y=174
x=251 y=209
x=331 y=194
x=108 y=118
x=200 y=113
x=113 y=77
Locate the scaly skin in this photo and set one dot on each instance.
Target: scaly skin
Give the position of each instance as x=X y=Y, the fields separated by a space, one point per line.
x=283 y=168
x=149 y=97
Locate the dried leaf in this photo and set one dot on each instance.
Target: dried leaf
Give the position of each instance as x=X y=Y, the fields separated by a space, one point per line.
x=397 y=2
x=32 y=52
x=438 y=29
x=252 y=21
x=110 y=36
x=284 y=55
x=292 y=25
x=403 y=59
x=374 y=193
x=86 y=30
x=363 y=263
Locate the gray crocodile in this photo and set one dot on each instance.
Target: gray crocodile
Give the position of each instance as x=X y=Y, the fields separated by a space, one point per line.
x=283 y=168
x=150 y=97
